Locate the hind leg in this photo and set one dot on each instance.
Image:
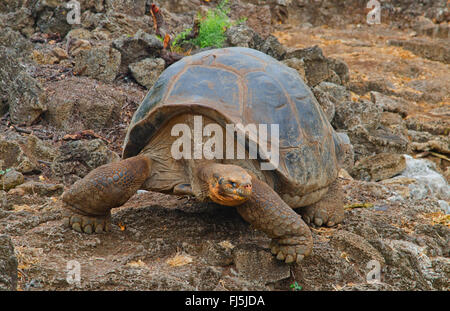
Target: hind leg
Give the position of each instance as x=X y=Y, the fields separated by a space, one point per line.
x=329 y=210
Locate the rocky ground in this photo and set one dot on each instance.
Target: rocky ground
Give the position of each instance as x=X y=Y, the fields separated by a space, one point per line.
x=68 y=92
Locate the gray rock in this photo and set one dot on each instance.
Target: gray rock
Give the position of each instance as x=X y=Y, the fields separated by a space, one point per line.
x=356 y=247
x=41 y=189
x=338 y=93
x=273 y=47
x=133 y=8
x=8 y=264
x=391 y=119
x=147 y=71
x=254 y=263
x=324 y=269
x=379 y=167
x=408 y=266
x=23 y=94
x=4 y=204
x=217 y=254
x=340 y=68
x=392 y=104
x=76 y=159
x=424 y=26
x=376 y=286
x=79 y=103
x=326 y=103
x=4 y=107
x=92 y=5
x=113 y=25
x=11 y=179
x=350 y=114
x=51 y=17
x=424 y=141
x=22 y=154
x=136 y=48
x=437 y=50
x=345 y=151
x=20 y=20
x=433 y=123
x=7 y=6
x=91 y=21
x=299 y=65
x=101 y=63
x=313 y=53
x=330 y=95
x=242 y=35
x=320 y=68
x=380 y=140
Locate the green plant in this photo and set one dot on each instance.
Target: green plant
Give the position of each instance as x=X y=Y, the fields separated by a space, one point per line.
x=295 y=286
x=212 y=26
x=211 y=30
x=3 y=172
x=180 y=38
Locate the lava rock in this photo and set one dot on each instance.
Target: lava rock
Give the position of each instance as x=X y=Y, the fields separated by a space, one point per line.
x=392 y=104
x=433 y=123
x=437 y=51
x=320 y=68
x=136 y=48
x=19 y=20
x=254 y=263
x=78 y=103
x=381 y=140
x=362 y=112
x=273 y=47
x=356 y=247
x=24 y=94
x=101 y=63
x=298 y=65
x=325 y=103
x=76 y=159
x=147 y=71
x=51 y=17
x=23 y=153
x=242 y=35
x=8 y=264
x=379 y=167
x=132 y=8
x=217 y=254
x=40 y=188
x=11 y=179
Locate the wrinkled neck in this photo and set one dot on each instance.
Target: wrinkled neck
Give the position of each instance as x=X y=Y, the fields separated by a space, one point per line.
x=200 y=173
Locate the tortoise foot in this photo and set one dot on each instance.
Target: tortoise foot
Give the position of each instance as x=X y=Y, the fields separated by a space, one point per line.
x=87 y=224
x=322 y=216
x=291 y=249
x=329 y=211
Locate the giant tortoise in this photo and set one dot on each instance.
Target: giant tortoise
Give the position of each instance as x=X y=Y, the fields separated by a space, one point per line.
x=229 y=86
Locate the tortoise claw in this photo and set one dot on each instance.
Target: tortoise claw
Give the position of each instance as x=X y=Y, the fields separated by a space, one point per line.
x=292 y=249
x=87 y=224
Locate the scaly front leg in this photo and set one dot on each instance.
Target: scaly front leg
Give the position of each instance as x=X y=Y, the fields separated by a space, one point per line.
x=292 y=239
x=89 y=201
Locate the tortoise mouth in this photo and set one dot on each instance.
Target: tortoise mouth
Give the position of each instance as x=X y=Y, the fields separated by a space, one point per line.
x=230 y=196
x=243 y=192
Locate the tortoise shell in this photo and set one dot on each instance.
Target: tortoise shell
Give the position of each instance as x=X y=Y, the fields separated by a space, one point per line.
x=242 y=85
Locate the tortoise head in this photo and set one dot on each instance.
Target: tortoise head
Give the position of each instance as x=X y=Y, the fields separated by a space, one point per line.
x=229 y=185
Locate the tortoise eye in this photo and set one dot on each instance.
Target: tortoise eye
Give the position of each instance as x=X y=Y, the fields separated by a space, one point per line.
x=233 y=184
x=220 y=181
